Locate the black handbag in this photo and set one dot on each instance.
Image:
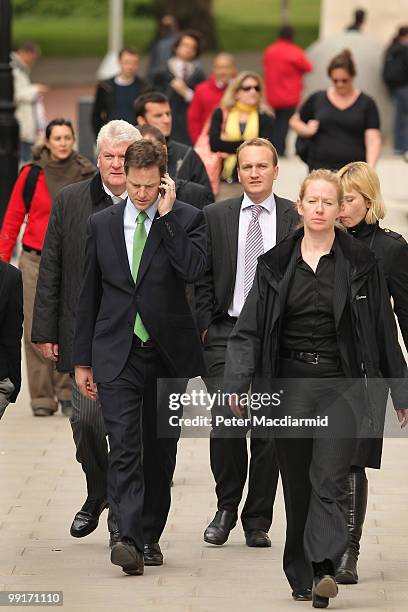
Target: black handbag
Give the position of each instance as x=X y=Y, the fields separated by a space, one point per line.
x=303 y=146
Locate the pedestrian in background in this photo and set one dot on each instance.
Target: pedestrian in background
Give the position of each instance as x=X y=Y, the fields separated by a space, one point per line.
x=183 y=163
x=284 y=65
x=162 y=49
x=208 y=94
x=114 y=98
x=340 y=124
x=362 y=209
x=55 y=165
x=241 y=115
x=395 y=75
x=26 y=96
x=178 y=80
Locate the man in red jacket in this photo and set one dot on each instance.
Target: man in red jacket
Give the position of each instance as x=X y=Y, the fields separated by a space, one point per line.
x=208 y=94
x=284 y=64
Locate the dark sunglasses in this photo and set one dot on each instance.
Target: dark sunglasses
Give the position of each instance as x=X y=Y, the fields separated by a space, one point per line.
x=249 y=87
x=341 y=80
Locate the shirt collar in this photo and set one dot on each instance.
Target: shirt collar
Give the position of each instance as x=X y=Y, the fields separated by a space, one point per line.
x=268 y=204
x=123 y=195
x=134 y=212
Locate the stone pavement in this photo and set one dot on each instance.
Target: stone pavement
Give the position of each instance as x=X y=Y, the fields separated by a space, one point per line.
x=43 y=486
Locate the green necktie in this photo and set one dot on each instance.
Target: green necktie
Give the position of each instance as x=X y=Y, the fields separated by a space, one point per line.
x=139 y=240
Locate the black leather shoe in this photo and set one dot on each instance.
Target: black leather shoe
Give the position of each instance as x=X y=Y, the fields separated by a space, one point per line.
x=324 y=587
x=219 y=529
x=66 y=408
x=152 y=554
x=114 y=538
x=257 y=538
x=87 y=519
x=302 y=595
x=128 y=558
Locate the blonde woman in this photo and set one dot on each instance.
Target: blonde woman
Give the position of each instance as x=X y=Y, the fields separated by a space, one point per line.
x=305 y=329
x=241 y=115
x=362 y=209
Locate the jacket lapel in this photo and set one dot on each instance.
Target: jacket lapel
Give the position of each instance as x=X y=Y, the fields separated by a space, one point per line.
x=232 y=229
x=282 y=219
x=152 y=243
x=118 y=238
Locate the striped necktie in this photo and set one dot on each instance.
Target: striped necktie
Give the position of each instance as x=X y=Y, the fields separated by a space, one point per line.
x=139 y=241
x=253 y=248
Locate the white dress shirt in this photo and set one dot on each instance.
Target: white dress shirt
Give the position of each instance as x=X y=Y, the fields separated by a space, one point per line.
x=267 y=222
x=123 y=196
x=130 y=215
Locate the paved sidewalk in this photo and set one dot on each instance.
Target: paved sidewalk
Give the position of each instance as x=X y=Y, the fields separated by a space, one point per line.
x=43 y=486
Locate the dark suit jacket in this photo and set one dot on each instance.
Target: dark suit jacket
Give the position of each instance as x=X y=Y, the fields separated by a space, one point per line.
x=11 y=325
x=174 y=254
x=214 y=292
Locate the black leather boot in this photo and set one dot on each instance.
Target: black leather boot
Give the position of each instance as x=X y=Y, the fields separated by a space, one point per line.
x=358 y=493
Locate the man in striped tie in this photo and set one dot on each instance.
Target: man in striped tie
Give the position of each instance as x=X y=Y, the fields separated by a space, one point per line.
x=135 y=329
x=239 y=230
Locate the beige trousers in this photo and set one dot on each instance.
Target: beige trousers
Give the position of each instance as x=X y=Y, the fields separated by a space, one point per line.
x=46 y=384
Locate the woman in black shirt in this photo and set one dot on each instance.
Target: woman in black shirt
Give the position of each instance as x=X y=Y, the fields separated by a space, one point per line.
x=362 y=208
x=342 y=122
x=317 y=325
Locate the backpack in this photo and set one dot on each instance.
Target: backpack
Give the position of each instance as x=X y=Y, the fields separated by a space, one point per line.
x=30 y=185
x=395 y=69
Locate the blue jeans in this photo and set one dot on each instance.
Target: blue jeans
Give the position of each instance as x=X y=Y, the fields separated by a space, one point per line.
x=401 y=119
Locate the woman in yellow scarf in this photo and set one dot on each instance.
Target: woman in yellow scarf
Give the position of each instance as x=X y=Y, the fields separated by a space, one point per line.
x=241 y=115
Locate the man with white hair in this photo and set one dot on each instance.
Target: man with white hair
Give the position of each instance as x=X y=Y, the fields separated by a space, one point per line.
x=57 y=294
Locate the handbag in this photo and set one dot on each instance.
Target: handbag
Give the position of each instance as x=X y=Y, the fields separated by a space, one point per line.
x=303 y=146
x=212 y=160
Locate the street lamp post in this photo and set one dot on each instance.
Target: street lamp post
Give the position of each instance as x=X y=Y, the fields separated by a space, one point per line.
x=8 y=123
x=110 y=65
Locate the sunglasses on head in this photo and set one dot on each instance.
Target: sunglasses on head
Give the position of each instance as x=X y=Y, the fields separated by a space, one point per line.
x=249 y=87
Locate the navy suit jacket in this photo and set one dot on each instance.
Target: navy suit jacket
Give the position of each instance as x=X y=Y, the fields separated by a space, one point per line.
x=174 y=254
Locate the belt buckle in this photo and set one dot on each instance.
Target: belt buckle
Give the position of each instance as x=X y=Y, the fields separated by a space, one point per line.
x=315 y=359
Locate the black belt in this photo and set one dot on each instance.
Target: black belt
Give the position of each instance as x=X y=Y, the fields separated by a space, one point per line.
x=31 y=250
x=138 y=342
x=313 y=358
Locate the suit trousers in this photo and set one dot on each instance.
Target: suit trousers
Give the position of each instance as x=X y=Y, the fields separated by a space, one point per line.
x=281 y=127
x=314 y=469
x=141 y=463
x=229 y=454
x=89 y=433
x=45 y=383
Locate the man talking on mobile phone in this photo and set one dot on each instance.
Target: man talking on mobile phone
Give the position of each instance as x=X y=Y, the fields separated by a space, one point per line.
x=134 y=328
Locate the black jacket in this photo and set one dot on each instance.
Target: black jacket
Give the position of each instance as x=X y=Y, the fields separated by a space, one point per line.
x=61 y=267
x=104 y=101
x=214 y=292
x=391 y=250
x=266 y=125
x=193 y=193
x=161 y=81
x=11 y=325
x=174 y=254
x=365 y=324
x=183 y=163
